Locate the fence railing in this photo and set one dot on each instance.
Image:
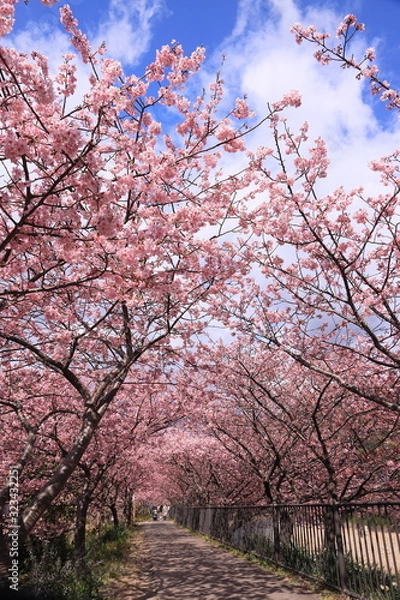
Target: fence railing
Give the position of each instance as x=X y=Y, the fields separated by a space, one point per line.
x=354 y=548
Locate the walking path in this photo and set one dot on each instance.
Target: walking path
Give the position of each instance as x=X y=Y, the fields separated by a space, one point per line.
x=186 y=567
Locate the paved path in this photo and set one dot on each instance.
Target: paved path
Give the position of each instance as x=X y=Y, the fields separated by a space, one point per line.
x=186 y=567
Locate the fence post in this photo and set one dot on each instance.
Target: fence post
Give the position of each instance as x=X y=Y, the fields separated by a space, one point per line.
x=276 y=526
x=340 y=562
x=207 y=521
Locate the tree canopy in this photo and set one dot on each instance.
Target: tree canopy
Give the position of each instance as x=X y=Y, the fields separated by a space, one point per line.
x=127 y=231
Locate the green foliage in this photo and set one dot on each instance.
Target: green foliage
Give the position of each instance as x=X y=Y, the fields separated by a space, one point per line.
x=261 y=546
x=109 y=549
x=298 y=559
x=371 y=581
x=51 y=570
x=141 y=514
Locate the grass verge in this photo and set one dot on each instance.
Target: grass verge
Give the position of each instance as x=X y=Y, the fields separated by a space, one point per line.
x=53 y=573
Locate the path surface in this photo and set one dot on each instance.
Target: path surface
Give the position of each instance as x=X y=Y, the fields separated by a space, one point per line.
x=186 y=567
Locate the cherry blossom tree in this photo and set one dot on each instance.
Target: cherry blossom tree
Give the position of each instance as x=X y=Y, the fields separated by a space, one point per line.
x=112 y=227
x=327 y=293
x=36 y=421
x=324 y=300
x=364 y=66
x=191 y=467
x=126 y=228
x=300 y=434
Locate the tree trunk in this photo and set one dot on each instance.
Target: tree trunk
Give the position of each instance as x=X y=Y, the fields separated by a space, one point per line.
x=43 y=499
x=128 y=509
x=114 y=513
x=80 y=526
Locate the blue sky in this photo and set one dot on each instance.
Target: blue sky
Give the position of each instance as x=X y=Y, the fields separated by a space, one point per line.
x=134 y=29
x=263 y=60
x=210 y=22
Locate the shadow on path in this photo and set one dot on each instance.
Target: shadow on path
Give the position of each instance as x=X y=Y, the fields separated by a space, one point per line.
x=189 y=568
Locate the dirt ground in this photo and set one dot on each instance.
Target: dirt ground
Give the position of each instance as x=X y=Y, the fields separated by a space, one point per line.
x=166 y=563
x=135 y=579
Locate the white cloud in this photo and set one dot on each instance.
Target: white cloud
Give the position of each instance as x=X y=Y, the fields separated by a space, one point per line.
x=264 y=61
x=127 y=31
x=41 y=37
x=52 y=43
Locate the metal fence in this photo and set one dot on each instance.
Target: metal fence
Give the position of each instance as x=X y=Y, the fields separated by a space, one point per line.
x=354 y=548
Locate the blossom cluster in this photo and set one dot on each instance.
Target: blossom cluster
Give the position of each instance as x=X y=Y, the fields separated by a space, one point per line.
x=342 y=53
